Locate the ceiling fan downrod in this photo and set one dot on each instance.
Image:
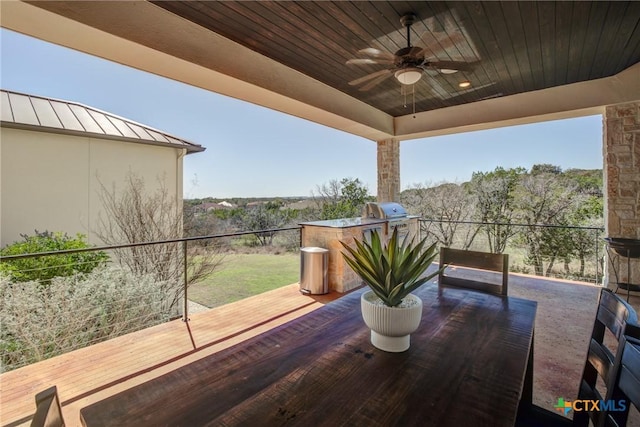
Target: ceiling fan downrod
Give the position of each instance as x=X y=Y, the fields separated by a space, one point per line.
x=407 y=21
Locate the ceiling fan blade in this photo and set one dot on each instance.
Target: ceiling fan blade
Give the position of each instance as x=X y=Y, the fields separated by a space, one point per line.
x=377 y=53
x=451 y=65
x=369 y=77
x=439 y=42
x=373 y=83
x=434 y=72
x=360 y=61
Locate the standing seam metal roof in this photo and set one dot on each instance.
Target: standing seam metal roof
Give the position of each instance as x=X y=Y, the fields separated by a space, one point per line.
x=37 y=113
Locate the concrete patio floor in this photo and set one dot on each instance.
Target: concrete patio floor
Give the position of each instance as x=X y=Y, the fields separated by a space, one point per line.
x=566 y=311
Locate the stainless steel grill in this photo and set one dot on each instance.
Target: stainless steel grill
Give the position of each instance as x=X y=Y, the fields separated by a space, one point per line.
x=395 y=215
x=387 y=210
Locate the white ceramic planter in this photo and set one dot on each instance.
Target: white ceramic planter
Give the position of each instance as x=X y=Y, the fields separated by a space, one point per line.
x=391 y=326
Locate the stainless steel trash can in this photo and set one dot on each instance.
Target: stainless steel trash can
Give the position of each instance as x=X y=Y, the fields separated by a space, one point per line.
x=314 y=270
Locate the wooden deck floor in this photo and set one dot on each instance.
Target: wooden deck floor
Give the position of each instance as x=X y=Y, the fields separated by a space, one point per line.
x=564 y=320
x=96 y=372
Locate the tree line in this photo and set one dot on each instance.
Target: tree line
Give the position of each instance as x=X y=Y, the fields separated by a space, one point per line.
x=534 y=210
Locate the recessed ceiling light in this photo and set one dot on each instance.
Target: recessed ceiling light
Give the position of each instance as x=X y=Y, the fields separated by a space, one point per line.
x=464 y=84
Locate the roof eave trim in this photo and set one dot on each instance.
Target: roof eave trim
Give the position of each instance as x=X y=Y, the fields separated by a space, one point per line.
x=189 y=148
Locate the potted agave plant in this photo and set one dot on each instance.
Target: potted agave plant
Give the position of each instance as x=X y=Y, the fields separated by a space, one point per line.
x=392 y=271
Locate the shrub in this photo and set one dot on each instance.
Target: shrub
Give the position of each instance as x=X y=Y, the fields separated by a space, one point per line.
x=135 y=215
x=46 y=267
x=39 y=322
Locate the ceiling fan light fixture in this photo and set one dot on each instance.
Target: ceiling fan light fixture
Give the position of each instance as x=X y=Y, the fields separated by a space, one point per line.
x=409 y=75
x=448 y=71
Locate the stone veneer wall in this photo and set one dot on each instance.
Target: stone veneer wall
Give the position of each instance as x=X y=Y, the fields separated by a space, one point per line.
x=622 y=180
x=389 y=170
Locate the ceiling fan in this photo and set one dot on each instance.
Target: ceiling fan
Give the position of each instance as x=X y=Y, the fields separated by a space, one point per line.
x=407 y=64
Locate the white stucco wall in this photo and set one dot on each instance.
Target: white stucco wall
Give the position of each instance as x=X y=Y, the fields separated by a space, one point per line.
x=51 y=181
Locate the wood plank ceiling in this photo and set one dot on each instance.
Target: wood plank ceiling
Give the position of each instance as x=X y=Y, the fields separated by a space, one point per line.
x=515 y=47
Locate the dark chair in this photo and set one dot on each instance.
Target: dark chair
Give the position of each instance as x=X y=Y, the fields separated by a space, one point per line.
x=626 y=390
x=485 y=265
x=48 y=409
x=603 y=360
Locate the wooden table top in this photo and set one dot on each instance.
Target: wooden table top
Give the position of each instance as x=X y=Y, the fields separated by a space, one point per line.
x=466 y=366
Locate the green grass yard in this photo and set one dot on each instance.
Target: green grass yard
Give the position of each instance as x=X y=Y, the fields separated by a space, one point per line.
x=243 y=275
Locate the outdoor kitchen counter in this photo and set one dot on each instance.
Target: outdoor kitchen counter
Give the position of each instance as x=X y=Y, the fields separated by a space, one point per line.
x=329 y=233
x=344 y=222
x=349 y=222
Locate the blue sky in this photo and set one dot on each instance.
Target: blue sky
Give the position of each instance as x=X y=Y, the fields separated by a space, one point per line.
x=256 y=152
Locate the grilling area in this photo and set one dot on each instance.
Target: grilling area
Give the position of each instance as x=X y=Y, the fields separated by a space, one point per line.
x=381 y=217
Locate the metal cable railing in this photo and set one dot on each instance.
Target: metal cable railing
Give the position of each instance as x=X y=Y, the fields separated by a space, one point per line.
x=147 y=283
x=560 y=251
x=51 y=305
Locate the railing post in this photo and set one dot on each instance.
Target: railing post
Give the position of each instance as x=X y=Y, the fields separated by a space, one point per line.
x=185 y=312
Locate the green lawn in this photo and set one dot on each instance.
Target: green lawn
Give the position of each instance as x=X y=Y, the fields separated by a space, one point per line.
x=244 y=275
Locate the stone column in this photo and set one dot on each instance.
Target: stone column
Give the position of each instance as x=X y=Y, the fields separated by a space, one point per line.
x=622 y=181
x=389 y=170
